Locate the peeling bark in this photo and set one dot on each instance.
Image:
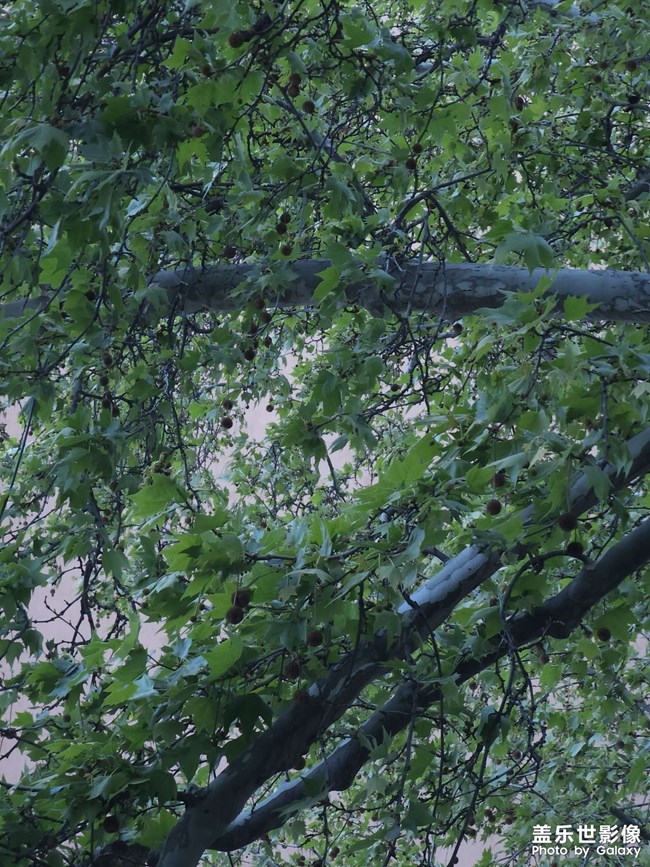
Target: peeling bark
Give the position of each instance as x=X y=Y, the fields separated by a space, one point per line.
x=451 y=292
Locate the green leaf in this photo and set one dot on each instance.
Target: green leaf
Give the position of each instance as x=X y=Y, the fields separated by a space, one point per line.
x=575 y=309
x=535 y=250
x=418 y=815
x=599 y=481
x=223 y=656
x=51 y=142
x=114 y=561
x=159 y=495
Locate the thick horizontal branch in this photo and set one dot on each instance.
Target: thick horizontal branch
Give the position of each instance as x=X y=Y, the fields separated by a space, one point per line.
x=291 y=735
x=558 y=616
x=452 y=291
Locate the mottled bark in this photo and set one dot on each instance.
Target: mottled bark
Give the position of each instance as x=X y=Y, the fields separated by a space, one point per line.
x=451 y=292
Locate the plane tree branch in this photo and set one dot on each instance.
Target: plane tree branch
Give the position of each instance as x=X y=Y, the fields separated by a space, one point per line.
x=557 y=618
x=278 y=748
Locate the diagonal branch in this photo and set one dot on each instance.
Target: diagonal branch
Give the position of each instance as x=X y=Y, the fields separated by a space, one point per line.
x=291 y=735
x=557 y=617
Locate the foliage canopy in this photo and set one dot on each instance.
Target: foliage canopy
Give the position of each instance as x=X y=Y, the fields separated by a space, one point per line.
x=506 y=453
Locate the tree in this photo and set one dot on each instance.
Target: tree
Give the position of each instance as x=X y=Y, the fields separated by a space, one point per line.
x=412 y=612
